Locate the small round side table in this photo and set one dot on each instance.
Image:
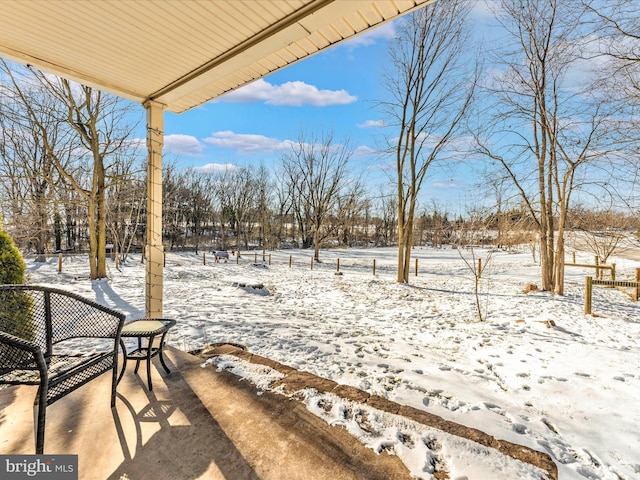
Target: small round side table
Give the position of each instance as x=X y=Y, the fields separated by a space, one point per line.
x=149 y=329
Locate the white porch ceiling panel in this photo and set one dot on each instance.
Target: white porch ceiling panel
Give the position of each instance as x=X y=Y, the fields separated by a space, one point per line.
x=180 y=53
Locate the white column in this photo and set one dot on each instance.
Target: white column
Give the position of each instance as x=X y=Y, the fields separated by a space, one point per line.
x=154 y=249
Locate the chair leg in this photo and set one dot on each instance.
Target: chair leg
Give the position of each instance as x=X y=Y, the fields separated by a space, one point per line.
x=40 y=404
x=124 y=361
x=114 y=384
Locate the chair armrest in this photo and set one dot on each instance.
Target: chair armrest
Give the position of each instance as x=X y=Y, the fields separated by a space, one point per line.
x=19 y=354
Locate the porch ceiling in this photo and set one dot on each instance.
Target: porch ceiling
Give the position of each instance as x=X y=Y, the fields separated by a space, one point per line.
x=180 y=53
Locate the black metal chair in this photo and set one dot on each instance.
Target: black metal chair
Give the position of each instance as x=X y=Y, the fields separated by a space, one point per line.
x=56 y=340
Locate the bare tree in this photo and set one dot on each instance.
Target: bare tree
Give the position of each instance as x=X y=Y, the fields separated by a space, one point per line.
x=125 y=207
x=175 y=198
x=601 y=232
x=198 y=204
x=316 y=172
x=547 y=135
x=387 y=220
x=26 y=169
x=618 y=27
x=263 y=204
x=349 y=209
x=430 y=88
x=283 y=209
x=96 y=128
x=470 y=235
x=235 y=191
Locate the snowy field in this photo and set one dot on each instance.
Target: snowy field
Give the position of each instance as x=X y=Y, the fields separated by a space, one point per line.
x=570 y=390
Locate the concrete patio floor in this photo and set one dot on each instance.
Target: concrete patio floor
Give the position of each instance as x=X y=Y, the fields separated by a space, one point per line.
x=196 y=424
x=201 y=423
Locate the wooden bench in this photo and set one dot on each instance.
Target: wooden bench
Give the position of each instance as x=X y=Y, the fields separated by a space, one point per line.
x=56 y=340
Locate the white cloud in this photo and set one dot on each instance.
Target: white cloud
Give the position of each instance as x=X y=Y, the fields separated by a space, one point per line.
x=247 y=143
x=183 y=145
x=363 y=151
x=372 y=124
x=486 y=9
x=215 y=167
x=389 y=166
x=386 y=31
x=447 y=184
x=289 y=94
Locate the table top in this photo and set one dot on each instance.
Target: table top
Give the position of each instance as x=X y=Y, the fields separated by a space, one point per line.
x=145 y=327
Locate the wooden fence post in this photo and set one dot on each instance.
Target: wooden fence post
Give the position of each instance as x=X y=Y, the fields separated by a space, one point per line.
x=598 y=271
x=269 y=259
x=338 y=265
x=374 y=267
x=59 y=262
x=479 y=267
x=290 y=260
x=164 y=259
x=588 y=289
x=574 y=257
x=204 y=258
x=636 y=291
x=416 y=267
x=613 y=272
x=311 y=263
x=255 y=257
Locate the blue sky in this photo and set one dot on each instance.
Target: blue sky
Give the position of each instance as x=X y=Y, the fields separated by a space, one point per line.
x=332 y=91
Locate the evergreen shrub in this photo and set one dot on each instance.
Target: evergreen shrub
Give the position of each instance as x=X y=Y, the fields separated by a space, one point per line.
x=15 y=306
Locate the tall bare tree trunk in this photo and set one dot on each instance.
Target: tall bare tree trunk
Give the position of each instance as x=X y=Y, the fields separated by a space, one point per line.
x=431 y=89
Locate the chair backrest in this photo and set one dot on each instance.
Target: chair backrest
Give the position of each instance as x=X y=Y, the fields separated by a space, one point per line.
x=45 y=316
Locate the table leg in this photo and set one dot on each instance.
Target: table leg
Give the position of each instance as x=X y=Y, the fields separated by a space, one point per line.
x=149 y=351
x=161 y=355
x=138 y=361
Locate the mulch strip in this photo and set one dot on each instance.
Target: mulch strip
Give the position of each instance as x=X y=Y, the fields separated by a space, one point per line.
x=295 y=380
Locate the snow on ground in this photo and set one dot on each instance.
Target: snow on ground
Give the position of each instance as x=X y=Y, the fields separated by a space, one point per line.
x=570 y=390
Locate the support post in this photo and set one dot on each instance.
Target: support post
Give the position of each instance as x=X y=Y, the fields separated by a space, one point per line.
x=636 y=290
x=374 y=267
x=338 y=265
x=416 y=267
x=290 y=260
x=59 y=262
x=154 y=249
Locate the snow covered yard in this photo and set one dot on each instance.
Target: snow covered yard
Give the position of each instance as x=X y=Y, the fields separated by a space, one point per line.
x=569 y=390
